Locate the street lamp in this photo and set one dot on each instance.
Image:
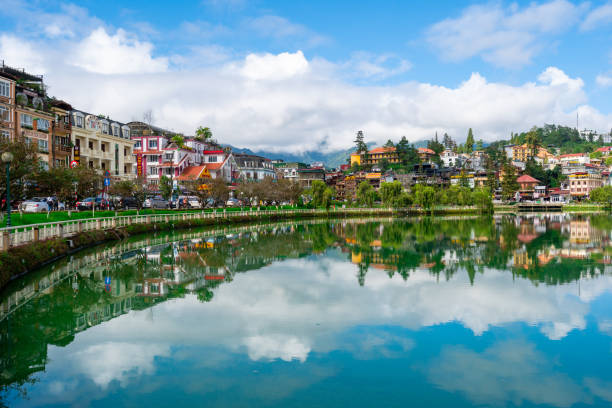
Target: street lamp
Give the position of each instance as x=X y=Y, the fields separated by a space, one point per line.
x=7 y=157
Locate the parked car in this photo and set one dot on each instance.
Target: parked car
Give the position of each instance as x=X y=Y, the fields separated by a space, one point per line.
x=36 y=204
x=233 y=202
x=155 y=202
x=127 y=203
x=104 y=204
x=193 y=202
x=86 y=204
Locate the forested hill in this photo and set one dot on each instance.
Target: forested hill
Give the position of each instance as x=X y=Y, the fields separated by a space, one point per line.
x=566 y=139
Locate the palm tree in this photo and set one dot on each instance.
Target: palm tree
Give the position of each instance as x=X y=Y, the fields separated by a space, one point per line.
x=178 y=140
x=532 y=139
x=204 y=134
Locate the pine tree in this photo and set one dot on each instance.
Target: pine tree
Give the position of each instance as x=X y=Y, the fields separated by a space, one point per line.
x=469 y=142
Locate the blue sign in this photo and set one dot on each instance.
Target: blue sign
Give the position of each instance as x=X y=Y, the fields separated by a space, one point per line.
x=107 y=280
x=106 y=182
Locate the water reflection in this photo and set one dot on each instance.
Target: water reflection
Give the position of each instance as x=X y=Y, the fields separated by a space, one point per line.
x=473 y=311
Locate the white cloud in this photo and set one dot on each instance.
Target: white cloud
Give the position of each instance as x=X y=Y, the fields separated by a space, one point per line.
x=375 y=67
x=19 y=53
x=604 y=80
x=597 y=17
x=274 y=67
x=116 y=54
x=505 y=37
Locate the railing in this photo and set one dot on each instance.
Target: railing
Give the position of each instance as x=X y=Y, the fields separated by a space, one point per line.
x=25 y=234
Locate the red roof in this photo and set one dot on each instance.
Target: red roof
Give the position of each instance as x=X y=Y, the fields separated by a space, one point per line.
x=213 y=152
x=382 y=150
x=213 y=166
x=604 y=149
x=526 y=178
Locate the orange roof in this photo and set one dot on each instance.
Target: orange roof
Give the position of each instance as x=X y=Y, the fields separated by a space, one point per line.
x=426 y=150
x=382 y=150
x=191 y=173
x=525 y=178
x=213 y=166
x=604 y=149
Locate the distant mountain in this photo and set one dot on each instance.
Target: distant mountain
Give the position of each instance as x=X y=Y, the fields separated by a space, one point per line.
x=331 y=159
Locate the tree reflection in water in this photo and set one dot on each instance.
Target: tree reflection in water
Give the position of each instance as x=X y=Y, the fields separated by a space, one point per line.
x=50 y=307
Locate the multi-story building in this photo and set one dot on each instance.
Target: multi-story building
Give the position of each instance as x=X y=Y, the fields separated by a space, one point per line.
x=24 y=110
x=573 y=159
x=375 y=156
x=450 y=159
x=425 y=154
x=61 y=138
x=253 y=167
x=581 y=184
x=103 y=144
x=308 y=175
x=7 y=106
x=288 y=170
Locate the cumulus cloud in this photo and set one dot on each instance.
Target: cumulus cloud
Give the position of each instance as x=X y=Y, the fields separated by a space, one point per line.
x=103 y=53
x=505 y=37
x=19 y=53
x=274 y=67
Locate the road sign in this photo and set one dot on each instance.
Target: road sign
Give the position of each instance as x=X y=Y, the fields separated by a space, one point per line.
x=73 y=164
x=107 y=280
x=106 y=182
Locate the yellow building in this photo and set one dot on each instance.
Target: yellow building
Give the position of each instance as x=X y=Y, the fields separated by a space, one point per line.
x=103 y=144
x=524 y=153
x=375 y=156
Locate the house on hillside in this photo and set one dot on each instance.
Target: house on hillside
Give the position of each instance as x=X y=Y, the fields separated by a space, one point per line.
x=527 y=186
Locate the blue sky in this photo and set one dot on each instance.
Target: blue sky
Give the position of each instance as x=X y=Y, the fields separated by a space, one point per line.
x=297 y=75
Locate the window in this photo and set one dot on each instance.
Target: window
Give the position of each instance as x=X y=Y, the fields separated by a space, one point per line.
x=44 y=165
x=212 y=159
x=105 y=128
x=43 y=146
x=126 y=133
x=42 y=124
x=152 y=144
x=4 y=113
x=152 y=159
x=169 y=156
x=103 y=147
x=79 y=121
x=5 y=89
x=137 y=145
x=116 y=130
x=26 y=121
x=5 y=134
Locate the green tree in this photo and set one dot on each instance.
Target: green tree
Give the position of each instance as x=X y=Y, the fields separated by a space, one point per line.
x=204 y=134
x=390 y=192
x=479 y=144
x=317 y=191
x=218 y=190
x=483 y=200
x=469 y=142
x=178 y=140
x=25 y=163
x=360 y=144
x=123 y=188
x=165 y=187
x=602 y=195
x=509 y=185
x=424 y=196
x=406 y=153
x=389 y=143
x=366 y=194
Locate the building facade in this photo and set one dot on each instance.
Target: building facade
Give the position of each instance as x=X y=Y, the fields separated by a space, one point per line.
x=255 y=168
x=103 y=144
x=581 y=184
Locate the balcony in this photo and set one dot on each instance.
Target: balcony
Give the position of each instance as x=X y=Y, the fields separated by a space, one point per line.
x=62 y=148
x=62 y=128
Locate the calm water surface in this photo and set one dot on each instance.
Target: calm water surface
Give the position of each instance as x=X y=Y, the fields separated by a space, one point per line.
x=509 y=311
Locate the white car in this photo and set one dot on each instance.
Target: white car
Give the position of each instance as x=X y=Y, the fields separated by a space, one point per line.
x=34 y=205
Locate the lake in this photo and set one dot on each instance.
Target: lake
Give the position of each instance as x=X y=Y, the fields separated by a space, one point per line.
x=430 y=312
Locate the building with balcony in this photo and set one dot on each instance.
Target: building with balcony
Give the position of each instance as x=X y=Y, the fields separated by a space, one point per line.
x=581 y=184
x=24 y=110
x=103 y=144
x=61 y=146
